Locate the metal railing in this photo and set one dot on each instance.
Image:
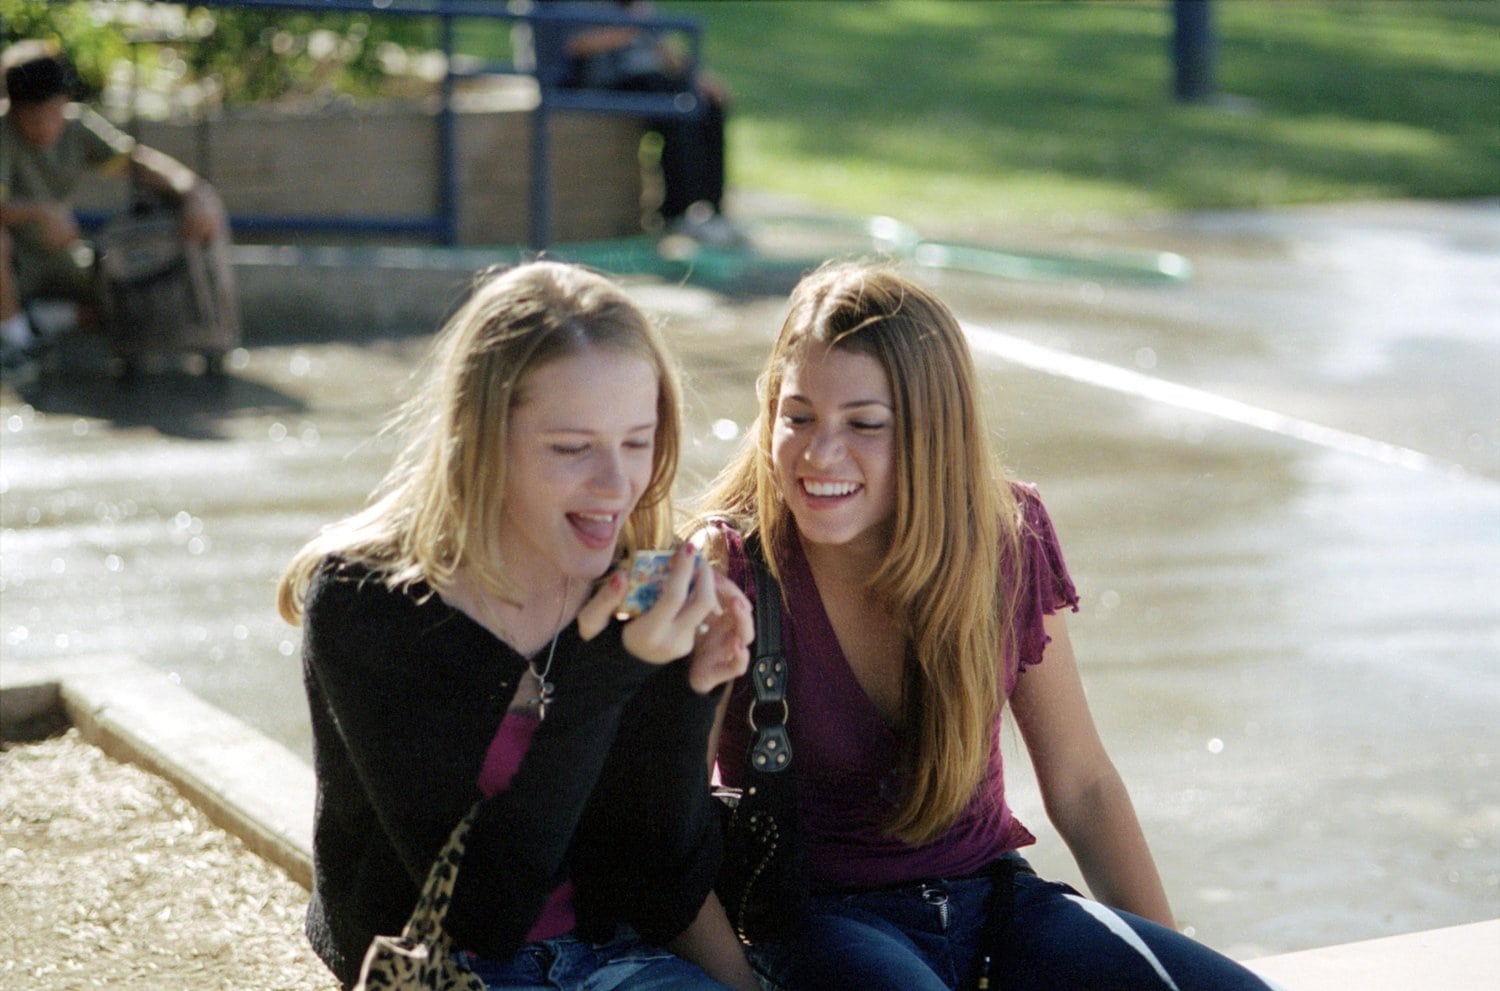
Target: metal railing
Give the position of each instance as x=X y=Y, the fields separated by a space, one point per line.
x=443 y=224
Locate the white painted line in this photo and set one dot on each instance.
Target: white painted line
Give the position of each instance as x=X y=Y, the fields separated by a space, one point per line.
x=1112 y=921
x=1013 y=349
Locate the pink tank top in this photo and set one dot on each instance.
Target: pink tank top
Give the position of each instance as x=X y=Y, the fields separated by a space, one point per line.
x=510 y=744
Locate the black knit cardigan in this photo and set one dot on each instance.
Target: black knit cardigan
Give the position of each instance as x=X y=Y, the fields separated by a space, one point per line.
x=406 y=693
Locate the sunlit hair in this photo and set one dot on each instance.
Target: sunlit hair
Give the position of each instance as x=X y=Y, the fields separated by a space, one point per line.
x=439 y=508
x=955 y=520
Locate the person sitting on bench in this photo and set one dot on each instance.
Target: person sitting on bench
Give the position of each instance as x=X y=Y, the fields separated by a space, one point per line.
x=627 y=58
x=48 y=144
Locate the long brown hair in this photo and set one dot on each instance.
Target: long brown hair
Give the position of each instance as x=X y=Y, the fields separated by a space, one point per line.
x=439 y=507
x=955 y=521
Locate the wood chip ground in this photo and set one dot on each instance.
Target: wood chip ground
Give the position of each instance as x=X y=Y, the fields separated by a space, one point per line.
x=111 y=879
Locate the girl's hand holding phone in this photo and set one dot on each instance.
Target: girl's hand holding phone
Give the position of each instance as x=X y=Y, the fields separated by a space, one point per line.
x=676 y=609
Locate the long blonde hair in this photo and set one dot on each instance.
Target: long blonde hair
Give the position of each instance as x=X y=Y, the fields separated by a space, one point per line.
x=955 y=521
x=440 y=506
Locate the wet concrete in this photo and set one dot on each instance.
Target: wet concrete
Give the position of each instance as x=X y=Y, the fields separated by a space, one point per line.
x=1278 y=486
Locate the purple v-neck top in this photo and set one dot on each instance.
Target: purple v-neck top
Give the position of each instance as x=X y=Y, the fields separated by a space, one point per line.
x=845 y=753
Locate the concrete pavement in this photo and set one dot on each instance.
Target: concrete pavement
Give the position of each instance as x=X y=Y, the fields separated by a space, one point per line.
x=1278 y=485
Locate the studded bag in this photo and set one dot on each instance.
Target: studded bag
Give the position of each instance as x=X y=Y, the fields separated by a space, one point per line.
x=761 y=883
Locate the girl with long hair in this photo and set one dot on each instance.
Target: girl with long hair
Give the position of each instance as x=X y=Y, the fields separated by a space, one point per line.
x=461 y=646
x=922 y=599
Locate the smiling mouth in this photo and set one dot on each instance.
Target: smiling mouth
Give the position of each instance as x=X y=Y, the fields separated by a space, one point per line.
x=595 y=528
x=829 y=489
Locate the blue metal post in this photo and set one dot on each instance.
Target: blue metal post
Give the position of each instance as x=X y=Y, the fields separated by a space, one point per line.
x=448 y=191
x=541 y=181
x=1193 y=50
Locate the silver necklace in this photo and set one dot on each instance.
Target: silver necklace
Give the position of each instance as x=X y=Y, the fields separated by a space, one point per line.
x=545 y=690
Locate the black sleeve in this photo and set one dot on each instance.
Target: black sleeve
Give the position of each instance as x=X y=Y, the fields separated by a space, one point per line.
x=415 y=720
x=649 y=845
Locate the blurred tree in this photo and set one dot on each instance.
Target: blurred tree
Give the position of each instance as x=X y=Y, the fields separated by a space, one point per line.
x=92 y=46
x=243 y=56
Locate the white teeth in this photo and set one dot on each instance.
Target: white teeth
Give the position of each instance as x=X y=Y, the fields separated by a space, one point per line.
x=596 y=517
x=830 y=488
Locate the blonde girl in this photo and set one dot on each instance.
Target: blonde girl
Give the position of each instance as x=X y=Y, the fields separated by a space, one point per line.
x=460 y=645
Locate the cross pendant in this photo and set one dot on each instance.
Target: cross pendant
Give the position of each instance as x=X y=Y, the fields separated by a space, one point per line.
x=544 y=692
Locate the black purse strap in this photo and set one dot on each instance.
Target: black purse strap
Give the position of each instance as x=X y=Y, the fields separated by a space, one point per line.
x=771 y=749
x=762 y=883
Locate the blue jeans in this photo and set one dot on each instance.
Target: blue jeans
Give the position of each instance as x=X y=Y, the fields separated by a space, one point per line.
x=933 y=937
x=567 y=963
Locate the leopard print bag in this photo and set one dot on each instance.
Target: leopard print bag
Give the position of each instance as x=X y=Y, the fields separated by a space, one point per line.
x=421 y=958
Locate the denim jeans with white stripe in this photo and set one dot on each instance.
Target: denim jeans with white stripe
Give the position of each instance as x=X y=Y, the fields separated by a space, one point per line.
x=933 y=937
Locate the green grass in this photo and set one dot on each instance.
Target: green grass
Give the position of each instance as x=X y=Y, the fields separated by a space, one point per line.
x=968 y=112
x=955 y=111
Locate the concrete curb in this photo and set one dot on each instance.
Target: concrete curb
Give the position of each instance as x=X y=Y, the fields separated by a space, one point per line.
x=259 y=791
x=249 y=785
x=286 y=291
x=1458 y=958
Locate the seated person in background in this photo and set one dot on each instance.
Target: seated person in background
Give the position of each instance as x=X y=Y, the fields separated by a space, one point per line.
x=47 y=145
x=631 y=59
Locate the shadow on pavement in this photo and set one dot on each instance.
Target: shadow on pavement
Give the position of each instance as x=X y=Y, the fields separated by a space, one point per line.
x=173 y=399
